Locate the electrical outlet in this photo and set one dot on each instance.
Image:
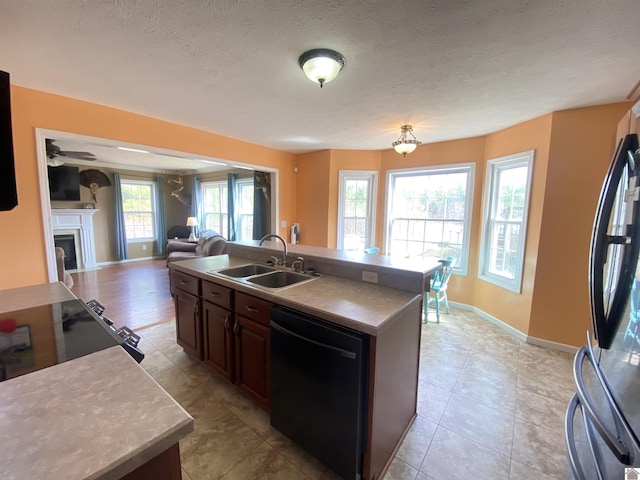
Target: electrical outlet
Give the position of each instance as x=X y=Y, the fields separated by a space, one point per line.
x=283 y=224
x=144 y=247
x=371 y=277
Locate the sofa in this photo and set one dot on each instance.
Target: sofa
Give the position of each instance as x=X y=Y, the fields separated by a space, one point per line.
x=208 y=244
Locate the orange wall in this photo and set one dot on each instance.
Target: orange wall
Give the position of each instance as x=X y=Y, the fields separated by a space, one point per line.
x=581 y=146
x=511 y=307
x=312 y=197
x=347 y=160
x=22 y=249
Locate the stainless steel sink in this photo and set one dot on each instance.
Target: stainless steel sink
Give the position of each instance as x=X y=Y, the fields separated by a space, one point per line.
x=280 y=279
x=246 y=270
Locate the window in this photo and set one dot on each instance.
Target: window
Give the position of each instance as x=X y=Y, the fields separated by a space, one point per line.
x=429 y=212
x=504 y=228
x=244 y=208
x=138 y=205
x=214 y=207
x=216 y=210
x=356 y=221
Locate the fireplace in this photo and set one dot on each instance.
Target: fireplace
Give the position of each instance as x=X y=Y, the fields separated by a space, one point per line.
x=76 y=225
x=68 y=244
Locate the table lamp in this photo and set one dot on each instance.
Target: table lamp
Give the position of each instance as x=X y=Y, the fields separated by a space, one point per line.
x=193 y=223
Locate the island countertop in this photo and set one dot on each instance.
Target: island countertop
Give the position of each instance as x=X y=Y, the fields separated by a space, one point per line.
x=99 y=416
x=358 y=305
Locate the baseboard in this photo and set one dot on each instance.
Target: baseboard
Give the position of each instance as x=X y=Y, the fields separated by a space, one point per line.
x=514 y=331
x=129 y=260
x=541 y=342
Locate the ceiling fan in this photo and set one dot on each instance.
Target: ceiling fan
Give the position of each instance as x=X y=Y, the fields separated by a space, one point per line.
x=55 y=154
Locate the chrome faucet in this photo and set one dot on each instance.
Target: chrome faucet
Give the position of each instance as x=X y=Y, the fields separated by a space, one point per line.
x=298 y=265
x=284 y=244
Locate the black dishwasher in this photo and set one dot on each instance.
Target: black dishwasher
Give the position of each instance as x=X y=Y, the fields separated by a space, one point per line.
x=319 y=377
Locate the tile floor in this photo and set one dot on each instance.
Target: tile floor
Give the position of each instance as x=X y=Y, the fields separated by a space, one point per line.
x=490 y=407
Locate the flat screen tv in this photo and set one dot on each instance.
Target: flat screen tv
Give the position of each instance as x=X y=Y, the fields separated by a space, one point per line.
x=8 y=188
x=64 y=183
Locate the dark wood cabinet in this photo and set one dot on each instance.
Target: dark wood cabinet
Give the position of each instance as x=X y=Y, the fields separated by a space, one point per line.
x=188 y=325
x=227 y=330
x=252 y=359
x=217 y=323
x=252 y=342
x=218 y=339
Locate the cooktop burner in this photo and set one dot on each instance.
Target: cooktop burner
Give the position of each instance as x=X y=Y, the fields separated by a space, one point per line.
x=38 y=337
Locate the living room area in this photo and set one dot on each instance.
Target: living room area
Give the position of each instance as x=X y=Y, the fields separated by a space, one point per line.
x=167 y=203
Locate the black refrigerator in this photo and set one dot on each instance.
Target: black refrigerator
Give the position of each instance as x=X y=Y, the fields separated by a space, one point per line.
x=602 y=424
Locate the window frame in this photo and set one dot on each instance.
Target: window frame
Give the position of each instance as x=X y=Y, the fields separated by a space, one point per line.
x=494 y=168
x=462 y=264
x=372 y=177
x=240 y=183
x=154 y=214
x=241 y=217
x=222 y=185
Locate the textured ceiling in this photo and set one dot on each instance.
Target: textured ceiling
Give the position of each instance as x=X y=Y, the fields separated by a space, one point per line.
x=451 y=68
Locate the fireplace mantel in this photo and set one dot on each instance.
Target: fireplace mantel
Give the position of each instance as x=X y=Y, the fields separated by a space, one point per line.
x=78 y=219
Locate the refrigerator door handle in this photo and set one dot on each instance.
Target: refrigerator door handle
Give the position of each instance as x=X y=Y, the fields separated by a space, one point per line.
x=615 y=444
x=570 y=440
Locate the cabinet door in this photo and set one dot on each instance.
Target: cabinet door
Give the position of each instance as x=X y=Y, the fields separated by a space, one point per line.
x=218 y=339
x=252 y=359
x=188 y=325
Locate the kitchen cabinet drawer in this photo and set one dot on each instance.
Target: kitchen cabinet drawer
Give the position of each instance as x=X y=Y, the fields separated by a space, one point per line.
x=186 y=283
x=214 y=293
x=253 y=308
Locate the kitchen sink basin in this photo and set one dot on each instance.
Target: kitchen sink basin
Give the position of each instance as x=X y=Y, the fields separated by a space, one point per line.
x=246 y=270
x=279 y=279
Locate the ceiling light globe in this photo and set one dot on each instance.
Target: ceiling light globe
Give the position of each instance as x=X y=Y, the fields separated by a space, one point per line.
x=321 y=65
x=404 y=148
x=404 y=144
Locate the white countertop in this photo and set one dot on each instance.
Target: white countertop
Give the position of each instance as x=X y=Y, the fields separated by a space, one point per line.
x=33 y=296
x=95 y=417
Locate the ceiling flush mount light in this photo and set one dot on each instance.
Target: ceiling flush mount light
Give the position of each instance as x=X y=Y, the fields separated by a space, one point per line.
x=405 y=145
x=321 y=65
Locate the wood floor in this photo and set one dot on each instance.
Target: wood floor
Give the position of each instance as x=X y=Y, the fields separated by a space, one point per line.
x=134 y=294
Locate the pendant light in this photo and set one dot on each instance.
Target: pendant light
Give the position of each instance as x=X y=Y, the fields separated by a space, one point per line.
x=405 y=145
x=321 y=65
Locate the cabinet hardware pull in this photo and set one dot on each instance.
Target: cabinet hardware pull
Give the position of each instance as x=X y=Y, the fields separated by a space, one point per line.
x=184 y=282
x=215 y=294
x=251 y=309
x=226 y=322
x=236 y=328
x=196 y=309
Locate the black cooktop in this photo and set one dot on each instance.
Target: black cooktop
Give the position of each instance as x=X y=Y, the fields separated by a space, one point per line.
x=38 y=337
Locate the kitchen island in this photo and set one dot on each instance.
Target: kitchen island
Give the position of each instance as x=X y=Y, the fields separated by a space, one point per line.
x=224 y=322
x=99 y=416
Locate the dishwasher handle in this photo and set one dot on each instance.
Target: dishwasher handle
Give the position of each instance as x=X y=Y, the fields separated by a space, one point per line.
x=338 y=351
